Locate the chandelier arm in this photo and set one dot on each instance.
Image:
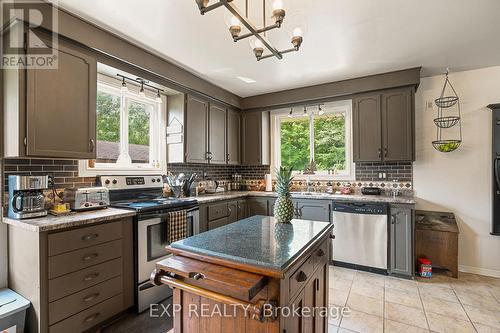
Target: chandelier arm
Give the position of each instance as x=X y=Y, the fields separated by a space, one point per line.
x=213 y=6
x=249 y=25
x=261 y=30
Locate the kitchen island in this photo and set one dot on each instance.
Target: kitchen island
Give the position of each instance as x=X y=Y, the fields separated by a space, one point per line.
x=250 y=275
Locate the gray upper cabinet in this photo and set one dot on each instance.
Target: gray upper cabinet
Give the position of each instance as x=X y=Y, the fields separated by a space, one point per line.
x=255 y=138
x=367 y=138
x=196 y=130
x=383 y=126
x=401 y=241
x=397 y=118
x=217 y=134
x=233 y=137
x=53 y=110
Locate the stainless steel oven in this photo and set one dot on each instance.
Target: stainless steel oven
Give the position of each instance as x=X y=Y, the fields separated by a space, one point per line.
x=151 y=242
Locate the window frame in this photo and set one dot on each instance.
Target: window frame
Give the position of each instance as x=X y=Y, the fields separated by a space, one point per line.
x=344 y=106
x=157 y=145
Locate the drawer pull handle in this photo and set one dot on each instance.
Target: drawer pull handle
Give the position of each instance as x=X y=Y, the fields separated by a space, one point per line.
x=321 y=253
x=92 y=317
x=90 y=277
x=90 y=256
x=332 y=236
x=301 y=277
x=88 y=237
x=90 y=297
x=196 y=276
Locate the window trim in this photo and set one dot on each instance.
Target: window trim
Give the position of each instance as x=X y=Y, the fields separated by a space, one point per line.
x=330 y=107
x=112 y=86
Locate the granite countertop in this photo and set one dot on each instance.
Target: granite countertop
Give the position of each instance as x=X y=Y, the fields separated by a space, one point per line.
x=206 y=198
x=257 y=241
x=52 y=223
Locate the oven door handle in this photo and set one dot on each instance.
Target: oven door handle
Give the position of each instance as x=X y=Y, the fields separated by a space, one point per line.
x=149 y=216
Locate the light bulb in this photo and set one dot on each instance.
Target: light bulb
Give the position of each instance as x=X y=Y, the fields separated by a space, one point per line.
x=290 y=114
x=297 y=32
x=321 y=112
x=278 y=4
x=141 y=92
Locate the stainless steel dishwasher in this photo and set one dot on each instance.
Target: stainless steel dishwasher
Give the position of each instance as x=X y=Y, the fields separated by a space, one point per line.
x=361 y=233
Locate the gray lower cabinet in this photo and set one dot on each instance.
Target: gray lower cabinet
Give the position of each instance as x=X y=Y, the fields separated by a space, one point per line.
x=314 y=210
x=82 y=276
x=401 y=261
x=257 y=206
x=220 y=213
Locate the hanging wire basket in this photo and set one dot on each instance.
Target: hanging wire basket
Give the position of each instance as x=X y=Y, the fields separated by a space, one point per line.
x=447 y=101
x=446 y=146
x=446 y=122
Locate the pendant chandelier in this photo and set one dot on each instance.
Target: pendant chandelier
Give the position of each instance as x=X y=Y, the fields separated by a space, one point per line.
x=258 y=39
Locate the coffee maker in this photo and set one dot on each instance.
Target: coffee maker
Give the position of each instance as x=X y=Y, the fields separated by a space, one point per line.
x=26 y=197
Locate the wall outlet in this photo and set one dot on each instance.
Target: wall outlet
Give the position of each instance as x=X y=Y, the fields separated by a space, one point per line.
x=382 y=175
x=429 y=105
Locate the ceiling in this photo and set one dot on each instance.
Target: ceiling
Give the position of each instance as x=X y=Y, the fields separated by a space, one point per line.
x=343 y=39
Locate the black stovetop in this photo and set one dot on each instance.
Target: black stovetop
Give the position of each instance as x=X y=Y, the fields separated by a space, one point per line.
x=156 y=204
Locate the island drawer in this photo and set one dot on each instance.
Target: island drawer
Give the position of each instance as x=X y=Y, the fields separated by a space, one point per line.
x=219 y=279
x=217 y=211
x=68 y=306
x=84 y=237
x=88 y=318
x=320 y=254
x=299 y=279
x=71 y=283
x=72 y=261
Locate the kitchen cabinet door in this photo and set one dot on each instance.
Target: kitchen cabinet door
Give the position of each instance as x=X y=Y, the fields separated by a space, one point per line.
x=401 y=241
x=217 y=134
x=218 y=223
x=61 y=106
x=314 y=210
x=367 y=127
x=271 y=203
x=397 y=125
x=242 y=209
x=233 y=137
x=257 y=206
x=295 y=324
x=232 y=211
x=255 y=134
x=196 y=130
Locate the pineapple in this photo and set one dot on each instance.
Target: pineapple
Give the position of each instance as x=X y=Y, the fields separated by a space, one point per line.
x=283 y=208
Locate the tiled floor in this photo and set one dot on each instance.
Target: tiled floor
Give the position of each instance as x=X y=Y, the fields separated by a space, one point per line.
x=470 y=303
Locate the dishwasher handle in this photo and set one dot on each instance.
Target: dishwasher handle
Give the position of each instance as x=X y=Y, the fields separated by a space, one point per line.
x=360 y=208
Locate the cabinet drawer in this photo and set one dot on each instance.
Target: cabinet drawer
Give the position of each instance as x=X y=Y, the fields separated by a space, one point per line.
x=79 y=238
x=70 y=283
x=218 y=223
x=298 y=280
x=217 y=211
x=320 y=255
x=88 y=318
x=72 y=261
x=84 y=299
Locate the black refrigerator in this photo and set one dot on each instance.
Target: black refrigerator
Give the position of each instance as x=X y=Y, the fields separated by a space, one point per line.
x=495 y=229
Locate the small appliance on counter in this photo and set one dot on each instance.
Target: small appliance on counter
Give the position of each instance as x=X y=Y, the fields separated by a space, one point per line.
x=367 y=190
x=26 y=199
x=212 y=186
x=86 y=198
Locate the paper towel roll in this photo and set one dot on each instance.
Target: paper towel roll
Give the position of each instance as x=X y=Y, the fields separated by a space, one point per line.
x=269 y=182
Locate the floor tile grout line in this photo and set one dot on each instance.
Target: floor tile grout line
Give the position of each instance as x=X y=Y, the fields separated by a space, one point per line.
x=423 y=309
x=463 y=308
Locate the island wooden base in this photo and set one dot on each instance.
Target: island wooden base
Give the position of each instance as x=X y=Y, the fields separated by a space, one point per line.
x=219 y=298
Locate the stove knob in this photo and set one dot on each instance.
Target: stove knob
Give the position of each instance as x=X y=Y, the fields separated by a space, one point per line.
x=101 y=203
x=153 y=180
x=87 y=204
x=114 y=181
x=158 y=180
x=106 y=182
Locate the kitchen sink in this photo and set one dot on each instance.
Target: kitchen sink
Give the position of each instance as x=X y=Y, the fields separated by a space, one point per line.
x=319 y=194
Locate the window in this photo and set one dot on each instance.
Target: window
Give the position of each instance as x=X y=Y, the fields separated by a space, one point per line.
x=130 y=132
x=323 y=138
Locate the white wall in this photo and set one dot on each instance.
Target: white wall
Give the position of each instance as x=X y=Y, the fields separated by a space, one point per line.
x=460 y=181
x=3 y=255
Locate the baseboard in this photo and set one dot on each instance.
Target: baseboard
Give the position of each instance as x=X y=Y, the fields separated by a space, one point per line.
x=479 y=271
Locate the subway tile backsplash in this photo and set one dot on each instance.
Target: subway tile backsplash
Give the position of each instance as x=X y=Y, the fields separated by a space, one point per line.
x=65 y=172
